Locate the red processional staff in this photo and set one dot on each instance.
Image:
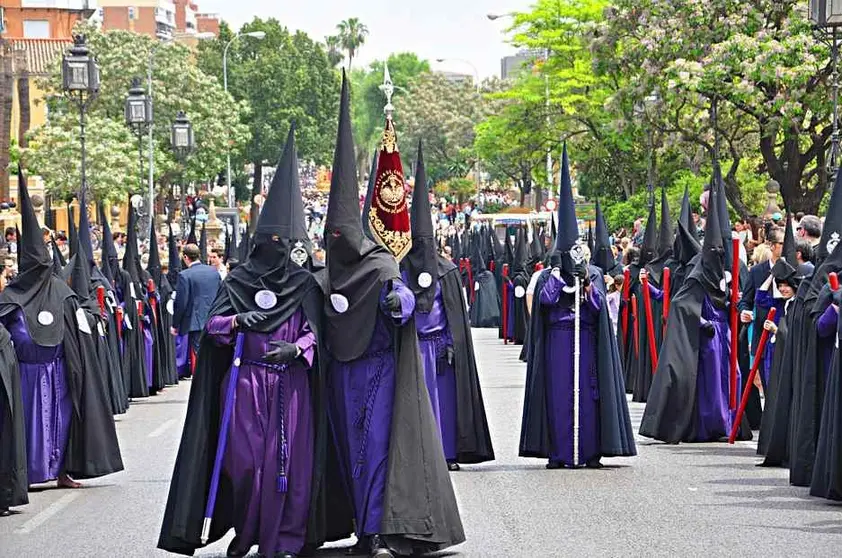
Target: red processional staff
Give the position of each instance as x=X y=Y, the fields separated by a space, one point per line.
x=388 y=217
x=626 y=303
x=650 y=321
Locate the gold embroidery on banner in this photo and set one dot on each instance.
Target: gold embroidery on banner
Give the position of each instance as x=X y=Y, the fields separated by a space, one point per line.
x=389 y=142
x=397 y=242
x=391 y=196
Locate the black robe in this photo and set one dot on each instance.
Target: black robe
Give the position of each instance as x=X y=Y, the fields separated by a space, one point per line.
x=485 y=310
x=13 y=467
x=330 y=515
x=520 y=282
x=827 y=469
x=134 y=371
x=616 y=434
x=772 y=441
x=473 y=442
x=672 y=401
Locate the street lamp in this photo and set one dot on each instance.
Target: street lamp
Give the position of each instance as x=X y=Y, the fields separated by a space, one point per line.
x=182 y=141
x=826 y=15
x=463 y=61
x=641 y=111
x=255 y=35
x=80 y=81
x=138 y=117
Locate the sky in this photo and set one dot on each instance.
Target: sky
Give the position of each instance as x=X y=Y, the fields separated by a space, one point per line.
x=449 y=29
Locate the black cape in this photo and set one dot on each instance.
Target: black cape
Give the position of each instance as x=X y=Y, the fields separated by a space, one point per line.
x=473 y=441
x=13 y=466
x=616 y=434
x=827 y=469
x=183 y=516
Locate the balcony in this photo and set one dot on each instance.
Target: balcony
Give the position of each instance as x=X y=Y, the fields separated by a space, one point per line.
x=77 y=5
x=164 y=32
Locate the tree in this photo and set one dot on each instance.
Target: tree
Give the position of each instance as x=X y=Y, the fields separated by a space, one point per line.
x=761 y=63
x=352 y=35
x=443 y=114
x=333 y=46
x=283 y=78
x=6 y=84
x=178 y=85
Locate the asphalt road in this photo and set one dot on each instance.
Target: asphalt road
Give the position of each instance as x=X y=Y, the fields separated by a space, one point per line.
x=688 y=500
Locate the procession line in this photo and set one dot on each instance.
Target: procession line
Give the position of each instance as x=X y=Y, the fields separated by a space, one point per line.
x=50 y=511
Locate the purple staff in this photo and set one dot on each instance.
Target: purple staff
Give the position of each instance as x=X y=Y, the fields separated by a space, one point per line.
x=223 y=437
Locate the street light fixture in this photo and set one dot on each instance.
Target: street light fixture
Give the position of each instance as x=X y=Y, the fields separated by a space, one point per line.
x=255 y=35
x=80 y=81
x=138 y=117
x=182 y=141
x=826 y=15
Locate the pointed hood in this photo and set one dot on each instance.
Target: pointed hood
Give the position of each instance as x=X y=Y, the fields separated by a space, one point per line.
x=191 y=236
x=174 y=266
x=665 y=233
x=72 y=232
x=86 y=247
x=131 y=257
x=153 y=265
x=227 y=253
x=369 y=192
x=234 y=240
x=789 y=251
x=602 y=255
x=36 y=292
x=710 y=267
x=422 y=261
x=832 y=230
x=649 y=250
x=724 y=219
x=245 y=246
x=203 y=245
x=686 y=244
x=80 y=275
x=537 y=249
x=357 y=268
x=108 y=254
x=58 y=258
x=591 y=243
x=568 y=247
x=521 y=260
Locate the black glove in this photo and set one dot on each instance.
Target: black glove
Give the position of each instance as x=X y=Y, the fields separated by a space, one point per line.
x=283 y=352
x=250 y=319
x=708 y=330
x=581 y=271
x=393 y=302
x=450 y=354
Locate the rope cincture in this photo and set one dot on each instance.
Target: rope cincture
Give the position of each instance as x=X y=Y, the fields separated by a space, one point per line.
x=364 y=416
x=283 y=444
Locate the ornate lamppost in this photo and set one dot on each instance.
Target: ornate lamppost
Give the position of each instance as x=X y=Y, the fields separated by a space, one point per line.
x=182 y=142
x=826 y=15
x=80 y=81
x=139 y=118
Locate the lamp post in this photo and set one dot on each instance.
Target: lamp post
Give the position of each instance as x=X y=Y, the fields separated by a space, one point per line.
x=826 y=16
x=138 y=111
x=80 y=81
x=256 y=35
x=182 y=141
x=641 y=111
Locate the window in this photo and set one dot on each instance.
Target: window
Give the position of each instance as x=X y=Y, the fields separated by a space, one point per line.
x=132 y=14
x=36 y=29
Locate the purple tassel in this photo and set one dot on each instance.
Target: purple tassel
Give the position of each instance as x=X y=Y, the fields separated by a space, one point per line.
x=282 y=484
x=357 y=470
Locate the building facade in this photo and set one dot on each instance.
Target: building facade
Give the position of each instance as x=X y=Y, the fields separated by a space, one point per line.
x=41 y=19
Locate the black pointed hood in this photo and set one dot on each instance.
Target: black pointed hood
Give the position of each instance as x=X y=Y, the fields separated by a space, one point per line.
x=191 y=236
x=109 y=262
x=227 y=255
x=591 y=243
x=80 y=275
x=710 y=267
x=724 y=219
x=602 y=255
x=58 y=258
x=153 y=265
x=521 y=256
x=72 y=232
x=174 y=265
x=568 y=247
x=86 y=247
x=649 y=249
x=38 y=293
x=537 y=248
x=357 y=268
x=203 y=245
x=665 y=233
x=369 y=192
x=789 y=251
x=131 y=257
x=245 y=246
x=421 y=263
x=686 y=244
x=832 y=229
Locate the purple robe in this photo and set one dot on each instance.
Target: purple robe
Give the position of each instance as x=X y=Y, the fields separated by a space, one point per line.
x=361 y=414
x=559 y=358
x=276 y=521
x=46 y=401
x=826 y=327
x=714 y=418
x=182 y=356
x=766 y=301
x=148 y=352
x=433 y=340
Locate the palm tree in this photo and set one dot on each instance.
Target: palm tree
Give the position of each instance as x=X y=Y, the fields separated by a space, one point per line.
x=334 y=49
x=352 y=34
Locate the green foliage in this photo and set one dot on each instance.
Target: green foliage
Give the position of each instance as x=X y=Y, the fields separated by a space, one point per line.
x=178 y=84
x=282 y=78
x=352 y=34
x=460 y=188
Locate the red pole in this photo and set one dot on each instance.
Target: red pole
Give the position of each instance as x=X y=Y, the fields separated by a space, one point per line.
x=758 y=356
x=735 y=295
x=636 y=331
x=833 y=280
x=140 y=317
x=100 y=298
x=153 y=302
x=120 y=323
x=492 y=266
x=471 y=281
x=505 y=304
x=650 y=322
x=667 y=294
x=626 y=288
x=539 y=266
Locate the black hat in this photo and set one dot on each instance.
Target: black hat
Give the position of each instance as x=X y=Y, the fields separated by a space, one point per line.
x=72 y=232
x=832 y=231
x=665 y=234
x=153 y=265
x=710 y=267
x=421 y=263
x=203 y=245
x=649 y=250
x=602 y=256
x=686 y=244
x=131 y=258
x=108 y=254
x=174 y=266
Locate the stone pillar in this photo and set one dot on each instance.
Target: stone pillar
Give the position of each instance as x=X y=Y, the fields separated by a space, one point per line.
x=772 y=191
x=213 y=224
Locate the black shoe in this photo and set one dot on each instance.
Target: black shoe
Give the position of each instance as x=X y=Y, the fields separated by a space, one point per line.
x=362 y=547
x=453 y=466
x=5 y=512
x=555 y=465
x=594 y=464
x=233 y=551
x=379 y=548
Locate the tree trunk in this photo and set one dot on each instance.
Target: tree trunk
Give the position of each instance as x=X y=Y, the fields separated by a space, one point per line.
x=6 y=80
x=256 y=188
x=539 y=198
x=23 y=99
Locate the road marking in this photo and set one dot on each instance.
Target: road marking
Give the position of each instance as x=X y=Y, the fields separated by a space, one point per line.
x=161 y=429
x=51 y=510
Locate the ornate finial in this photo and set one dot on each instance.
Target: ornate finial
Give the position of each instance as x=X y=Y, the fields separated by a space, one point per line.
x=388 y=89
